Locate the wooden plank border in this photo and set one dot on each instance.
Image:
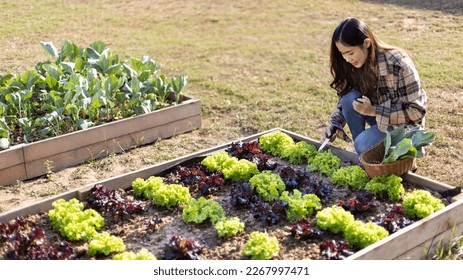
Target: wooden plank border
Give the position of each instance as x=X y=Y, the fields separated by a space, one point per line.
x=12 y=166
x=27 y=161
x=415 y=240
x=408 y=243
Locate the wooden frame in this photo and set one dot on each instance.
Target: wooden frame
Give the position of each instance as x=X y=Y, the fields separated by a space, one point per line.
x=408 y=243
x=28 y=161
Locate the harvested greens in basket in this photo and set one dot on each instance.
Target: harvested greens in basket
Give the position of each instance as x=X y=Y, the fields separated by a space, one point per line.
x=401 y=143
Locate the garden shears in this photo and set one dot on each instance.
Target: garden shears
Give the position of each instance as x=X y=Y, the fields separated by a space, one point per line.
x=339 y=131
x=324 y=144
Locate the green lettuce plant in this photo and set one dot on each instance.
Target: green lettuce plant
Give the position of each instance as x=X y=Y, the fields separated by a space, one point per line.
x=324 y=162
x=299 y=153
x=275 y=143
x=353 y=177
x=268 y=185
x=170 y=195
x=240 y=170
x=143 y=254
x=147 y=188
x=420 y=204
x=357 y=233
x=218 y=161
x=334 y=219
x=360 y=235
x=300 y=206
x=202 y=209
x=387 y=187
x=229 y=227
x=72 y=221
x=165 y=195
x=105 y=243
x=261 y=246
x=232 y=168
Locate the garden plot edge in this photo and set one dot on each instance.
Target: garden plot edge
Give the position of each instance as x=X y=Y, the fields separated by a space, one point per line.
x=28 y=161
x=411 y=242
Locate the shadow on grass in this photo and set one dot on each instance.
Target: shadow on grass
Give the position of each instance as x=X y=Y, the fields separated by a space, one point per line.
x=447 y=6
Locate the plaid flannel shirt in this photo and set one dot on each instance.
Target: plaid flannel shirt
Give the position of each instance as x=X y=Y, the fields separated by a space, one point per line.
x=399 y=99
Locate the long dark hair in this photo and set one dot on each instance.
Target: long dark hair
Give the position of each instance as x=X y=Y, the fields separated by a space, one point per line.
x=353 y=32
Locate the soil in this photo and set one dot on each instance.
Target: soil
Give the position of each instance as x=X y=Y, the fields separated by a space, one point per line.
x=153 y=228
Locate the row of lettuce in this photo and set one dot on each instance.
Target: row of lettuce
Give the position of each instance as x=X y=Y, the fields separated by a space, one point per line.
x=79 y=88
x=74 y=223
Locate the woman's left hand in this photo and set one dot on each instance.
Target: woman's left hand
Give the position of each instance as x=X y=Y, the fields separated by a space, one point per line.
x=363 y=106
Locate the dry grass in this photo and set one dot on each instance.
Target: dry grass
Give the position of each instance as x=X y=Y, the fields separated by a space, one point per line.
x=256 y=66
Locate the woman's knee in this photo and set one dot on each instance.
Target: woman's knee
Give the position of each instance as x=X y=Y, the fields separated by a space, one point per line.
x=360 y=145
x=349 y=98
x=368 y=139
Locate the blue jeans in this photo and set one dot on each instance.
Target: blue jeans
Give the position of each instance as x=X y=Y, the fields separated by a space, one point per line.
x=363 y=138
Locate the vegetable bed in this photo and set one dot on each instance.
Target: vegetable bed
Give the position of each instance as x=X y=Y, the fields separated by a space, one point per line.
x=250 y=199
x=84 y=104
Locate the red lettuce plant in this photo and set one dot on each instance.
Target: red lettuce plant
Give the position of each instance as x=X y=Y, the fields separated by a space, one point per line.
x=304 y=229
x=182 y=249
x=335 y=250
x=394 y=219
x=364 y=201
x=26 y=242
x=111 y=201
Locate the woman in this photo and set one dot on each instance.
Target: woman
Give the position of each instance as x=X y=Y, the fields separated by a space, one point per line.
x=377 y=84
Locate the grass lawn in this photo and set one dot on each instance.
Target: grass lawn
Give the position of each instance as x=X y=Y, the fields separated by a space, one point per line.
x=256 y=65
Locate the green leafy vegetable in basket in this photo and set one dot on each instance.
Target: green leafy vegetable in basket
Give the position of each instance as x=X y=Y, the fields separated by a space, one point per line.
x=401 y=143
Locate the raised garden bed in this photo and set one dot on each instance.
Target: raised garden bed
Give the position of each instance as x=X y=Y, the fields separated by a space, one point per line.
x=28 y=161
x=83 y=104
x=153 y=228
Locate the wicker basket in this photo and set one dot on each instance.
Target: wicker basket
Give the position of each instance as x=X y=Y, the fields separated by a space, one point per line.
x=371 y=161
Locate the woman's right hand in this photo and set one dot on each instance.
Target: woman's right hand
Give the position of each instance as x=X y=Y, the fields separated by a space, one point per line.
x=332 y=130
